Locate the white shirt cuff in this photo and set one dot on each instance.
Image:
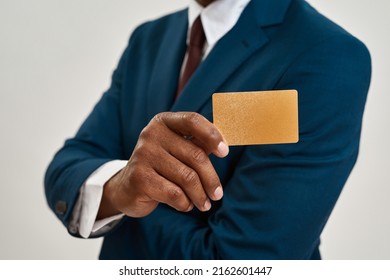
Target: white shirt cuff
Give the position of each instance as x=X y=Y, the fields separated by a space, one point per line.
x=90 y=197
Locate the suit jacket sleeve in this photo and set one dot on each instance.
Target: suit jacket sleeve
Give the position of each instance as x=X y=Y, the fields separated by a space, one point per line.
x=97 y=142
x=279 y=197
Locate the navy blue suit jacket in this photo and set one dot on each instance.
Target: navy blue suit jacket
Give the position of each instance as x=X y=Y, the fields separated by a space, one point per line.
x=277 y=198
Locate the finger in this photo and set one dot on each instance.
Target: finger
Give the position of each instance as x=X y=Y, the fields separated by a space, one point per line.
x=162 y=190
x=197 y=126
x=197 y=159
x=186 y=178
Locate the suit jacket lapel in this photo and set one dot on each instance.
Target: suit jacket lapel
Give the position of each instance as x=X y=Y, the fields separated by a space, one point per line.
x=230 y=52
x=166 y=72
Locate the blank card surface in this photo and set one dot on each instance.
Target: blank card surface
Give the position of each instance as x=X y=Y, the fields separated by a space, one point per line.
x=258 y=117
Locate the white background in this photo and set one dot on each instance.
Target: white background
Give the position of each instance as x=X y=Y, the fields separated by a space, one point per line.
x=56 y=59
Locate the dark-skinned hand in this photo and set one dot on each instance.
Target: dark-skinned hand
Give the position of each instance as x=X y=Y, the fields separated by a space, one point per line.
x=170 y=164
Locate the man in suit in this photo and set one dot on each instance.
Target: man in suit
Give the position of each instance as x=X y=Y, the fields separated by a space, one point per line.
x=149 y=171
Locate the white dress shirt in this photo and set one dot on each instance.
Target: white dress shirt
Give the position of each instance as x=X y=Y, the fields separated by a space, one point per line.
x=217 y=19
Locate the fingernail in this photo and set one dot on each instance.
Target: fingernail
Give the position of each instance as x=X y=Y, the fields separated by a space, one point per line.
x=207 y=205
x=190 y=208
x=218 y=193
x=223 y=149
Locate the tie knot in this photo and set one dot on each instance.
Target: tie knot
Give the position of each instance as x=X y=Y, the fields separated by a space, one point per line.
x=197 y=36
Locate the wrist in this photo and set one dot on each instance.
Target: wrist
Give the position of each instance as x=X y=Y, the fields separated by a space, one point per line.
x=107 y=205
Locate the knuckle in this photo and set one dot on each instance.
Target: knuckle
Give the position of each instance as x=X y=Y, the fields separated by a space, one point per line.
x=193 y=119
x=189 y=176
x=142 y=152
x=199 y=156
x=158 y=117
x=146 y=133
x=174 y=194
x=151 y=133
x=214 y=134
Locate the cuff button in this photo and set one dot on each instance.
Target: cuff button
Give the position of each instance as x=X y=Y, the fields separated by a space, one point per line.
x=61 y=207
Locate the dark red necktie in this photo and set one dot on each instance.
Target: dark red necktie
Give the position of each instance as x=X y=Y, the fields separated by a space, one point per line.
x=194 y=53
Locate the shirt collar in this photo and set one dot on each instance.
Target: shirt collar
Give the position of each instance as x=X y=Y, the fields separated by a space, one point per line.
x=217 y=18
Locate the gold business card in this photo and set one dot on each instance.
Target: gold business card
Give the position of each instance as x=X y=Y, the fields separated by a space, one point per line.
x=259 y=117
